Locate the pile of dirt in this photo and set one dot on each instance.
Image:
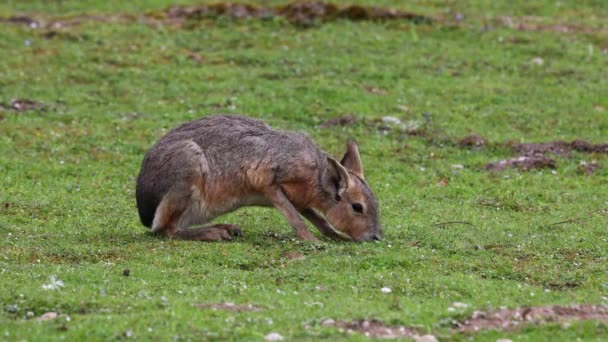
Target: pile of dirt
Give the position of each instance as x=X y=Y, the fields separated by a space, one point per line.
x=343 y=121
x=299 y=13
x=532 y=156
x=526 y=163
x=532 y=23
x=511 y=319
x=560 y=147
x=229 y=307
x=377 y=329
x=473 y=141
x=588 y=168
x=22 y=105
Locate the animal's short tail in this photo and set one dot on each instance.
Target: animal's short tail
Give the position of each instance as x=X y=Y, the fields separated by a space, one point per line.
x=146 y=206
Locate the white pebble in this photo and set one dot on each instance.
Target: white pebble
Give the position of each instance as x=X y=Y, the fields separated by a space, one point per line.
x=273 y=337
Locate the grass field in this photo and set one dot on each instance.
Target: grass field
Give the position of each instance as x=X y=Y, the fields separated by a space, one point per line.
x=458 y=238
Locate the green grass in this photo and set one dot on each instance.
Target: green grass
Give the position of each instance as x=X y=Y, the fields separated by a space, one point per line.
x=67 y=205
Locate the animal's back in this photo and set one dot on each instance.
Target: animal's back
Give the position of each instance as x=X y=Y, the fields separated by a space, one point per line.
x=234 y=154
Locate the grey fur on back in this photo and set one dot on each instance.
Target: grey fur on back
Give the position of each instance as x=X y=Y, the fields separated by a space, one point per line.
x=223 y=150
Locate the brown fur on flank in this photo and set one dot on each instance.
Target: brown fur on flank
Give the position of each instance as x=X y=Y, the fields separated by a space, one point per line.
x=214 y=165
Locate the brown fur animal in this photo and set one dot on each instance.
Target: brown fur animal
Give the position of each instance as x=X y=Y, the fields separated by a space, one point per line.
x=214 y=165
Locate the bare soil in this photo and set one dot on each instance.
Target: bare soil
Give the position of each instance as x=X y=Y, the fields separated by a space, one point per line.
x=473 y=141
x=531 y=156
x=303 y=14
x=22 y=105
x=229 y=307
x=511 y=319
x=345 y=120
x=526 y=163
x=372 y=328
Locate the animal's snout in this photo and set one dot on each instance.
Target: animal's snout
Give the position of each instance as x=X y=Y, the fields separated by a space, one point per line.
x=371 y=237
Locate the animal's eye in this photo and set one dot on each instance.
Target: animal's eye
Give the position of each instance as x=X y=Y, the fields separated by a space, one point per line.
x=357 y=207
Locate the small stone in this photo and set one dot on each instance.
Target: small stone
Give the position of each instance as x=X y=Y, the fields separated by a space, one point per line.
x=29 y=314
x=48 y=316
x=391 y=120
x=273 y=337
x=537 y=61
x=425 y=338
x=386 y=290
x=460 y=305
x=503 y=340
x=328 y=322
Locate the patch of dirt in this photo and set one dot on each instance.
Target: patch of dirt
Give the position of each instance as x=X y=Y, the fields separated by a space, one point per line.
x=48 y=316
x=526 y=163
x=561 y=147
x=534 y=155
x=229 y=307
x=511 y=319
x=307 y=13
x=555 y=147
x=21 y=20
x=473 y=141
x=177 y=13
x=195 y=56
x=531 y=23
x=346 y=120
x=376 y=329
x=22 y=105
x=588 y=168
x=303 y=14
x=583 y=146
x=294 y=256
x=375 y=90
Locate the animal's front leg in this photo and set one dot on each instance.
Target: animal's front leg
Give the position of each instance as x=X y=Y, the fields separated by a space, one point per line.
x=323 y=226
x=281 y=202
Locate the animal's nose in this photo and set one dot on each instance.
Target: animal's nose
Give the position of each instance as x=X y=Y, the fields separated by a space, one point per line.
x=377 y=237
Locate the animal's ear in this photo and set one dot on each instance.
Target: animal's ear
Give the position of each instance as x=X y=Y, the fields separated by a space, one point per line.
x=335 y=178
x=352 y=159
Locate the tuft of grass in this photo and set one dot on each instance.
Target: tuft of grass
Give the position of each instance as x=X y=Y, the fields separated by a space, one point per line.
x=454 y=232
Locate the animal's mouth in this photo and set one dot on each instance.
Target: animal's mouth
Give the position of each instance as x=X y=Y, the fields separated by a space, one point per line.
x=370 y=237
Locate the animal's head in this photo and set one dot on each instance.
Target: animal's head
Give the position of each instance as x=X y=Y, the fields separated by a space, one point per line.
x=352 y=208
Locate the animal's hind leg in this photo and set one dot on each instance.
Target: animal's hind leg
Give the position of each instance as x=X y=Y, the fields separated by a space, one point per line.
x=216 y=232
x=170 y=213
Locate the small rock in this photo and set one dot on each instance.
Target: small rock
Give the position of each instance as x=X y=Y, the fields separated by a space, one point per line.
x=460 y=305
x=442 y=183
x=391 y=120
x=503 y=340
x=273 y=337
x=537 y=61
x=473 y=141
x=403 y=108
x=48 y=316
x=29 y=314
x=386 y=290
x=328 y=322
x=425 y=338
